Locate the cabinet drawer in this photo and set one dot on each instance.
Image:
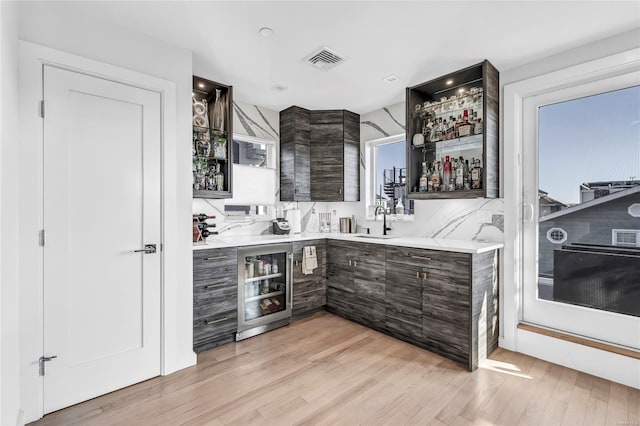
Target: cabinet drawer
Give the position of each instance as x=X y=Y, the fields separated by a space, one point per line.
x=214 y=326
x=213 y=263
x=215 y=301
x=413 y=256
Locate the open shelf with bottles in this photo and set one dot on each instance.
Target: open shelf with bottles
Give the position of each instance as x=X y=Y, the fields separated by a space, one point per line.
x=452 y=135
x=211 y=145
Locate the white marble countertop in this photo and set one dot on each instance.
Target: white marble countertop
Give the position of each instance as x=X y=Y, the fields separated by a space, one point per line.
x=444 y=244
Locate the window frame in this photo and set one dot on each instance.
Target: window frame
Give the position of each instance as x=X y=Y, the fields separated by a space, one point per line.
x=370 y=169
x=616 y=231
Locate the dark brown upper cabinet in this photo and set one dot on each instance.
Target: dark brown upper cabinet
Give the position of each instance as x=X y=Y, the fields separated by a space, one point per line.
x=212 y=144
x=319 y=155
x=468 y=102
x=295 y=166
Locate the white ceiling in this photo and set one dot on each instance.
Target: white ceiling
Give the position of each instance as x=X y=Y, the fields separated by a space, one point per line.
x=416 y=40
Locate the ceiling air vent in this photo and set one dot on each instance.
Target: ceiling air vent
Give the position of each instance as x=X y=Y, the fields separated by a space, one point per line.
x=323 y=58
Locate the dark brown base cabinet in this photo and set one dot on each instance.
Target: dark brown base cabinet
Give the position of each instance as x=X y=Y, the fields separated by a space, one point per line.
x=215 y=297
x=309 y=291
x=445 y=302
x=355 y=282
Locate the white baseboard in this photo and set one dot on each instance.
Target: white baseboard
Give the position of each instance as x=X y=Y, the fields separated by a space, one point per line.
x=617 y=368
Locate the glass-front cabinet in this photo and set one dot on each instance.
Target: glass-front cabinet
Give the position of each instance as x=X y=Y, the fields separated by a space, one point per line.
x=452 y=135
x=264 y=288
x=212 y=148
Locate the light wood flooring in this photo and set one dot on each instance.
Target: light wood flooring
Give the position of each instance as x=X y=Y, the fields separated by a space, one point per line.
x=329 y=371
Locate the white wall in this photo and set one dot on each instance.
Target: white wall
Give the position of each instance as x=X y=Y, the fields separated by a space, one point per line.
x=53 y=25
x=9 y=343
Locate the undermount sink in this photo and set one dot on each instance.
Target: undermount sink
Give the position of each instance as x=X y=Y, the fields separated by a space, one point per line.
x=376 y=237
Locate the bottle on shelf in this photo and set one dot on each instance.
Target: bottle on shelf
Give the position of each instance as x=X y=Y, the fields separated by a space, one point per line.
x=476 y=174
x=436 y=178
x=219 y=179
x=467 y=176
x=220 y=148
x=204 y=225
x=218 y=112
x=479 y=126
x=206 y=233
x=201 y=217
x=424 y=179
x=459 y=174
x=446 y=174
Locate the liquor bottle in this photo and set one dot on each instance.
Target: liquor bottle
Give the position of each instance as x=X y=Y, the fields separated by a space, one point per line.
x=467 y=176
x=424 y=179
x=202 y=217
x=446 y=174
x=479 y=127
x=219 y=179
x=451 y=129
x=476 y=175
x=437 y=133
x=465 y=127
x=460 y=174
x=427 y=130
x=435 y=176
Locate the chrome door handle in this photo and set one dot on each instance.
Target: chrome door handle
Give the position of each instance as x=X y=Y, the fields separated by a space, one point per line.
x=148 y=249
x=42 y=360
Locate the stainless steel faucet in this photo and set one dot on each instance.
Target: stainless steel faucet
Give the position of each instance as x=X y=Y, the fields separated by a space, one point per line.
x=384 y=218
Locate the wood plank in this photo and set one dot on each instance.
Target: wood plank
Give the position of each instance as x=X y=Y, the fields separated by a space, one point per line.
x=327 y=370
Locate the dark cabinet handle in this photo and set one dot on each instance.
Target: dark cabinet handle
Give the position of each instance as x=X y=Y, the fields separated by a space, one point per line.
x=215 y=321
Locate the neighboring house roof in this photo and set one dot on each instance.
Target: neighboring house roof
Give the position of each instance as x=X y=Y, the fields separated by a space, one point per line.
x=545 y=200
x=591 y=203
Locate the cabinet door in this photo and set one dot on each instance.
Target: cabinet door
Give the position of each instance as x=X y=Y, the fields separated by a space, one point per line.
x=339 y=267
x=351 y=184
x=446 y=305
x=369 y=283
x=403 y=305
x=215 y=297
x=327 y=154
x=309 y=291
x=295 y=139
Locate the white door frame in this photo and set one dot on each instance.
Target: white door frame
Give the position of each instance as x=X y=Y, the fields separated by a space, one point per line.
x=32 y=58
x=604 y=364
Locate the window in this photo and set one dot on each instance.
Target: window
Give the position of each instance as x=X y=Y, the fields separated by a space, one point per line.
x=387 y=175
x=557 y=235
x=254 y=179
x=625 y=237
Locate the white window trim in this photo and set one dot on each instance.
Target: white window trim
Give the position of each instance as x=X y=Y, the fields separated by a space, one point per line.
x=615 y=232
x=370 y=175
x=611 y=366
x=550 y=233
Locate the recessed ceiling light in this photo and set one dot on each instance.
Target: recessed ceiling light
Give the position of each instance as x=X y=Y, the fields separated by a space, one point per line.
x=391 y=78
x=201 y=85
x=449 y=82
x=265 y=32
x=278 y=88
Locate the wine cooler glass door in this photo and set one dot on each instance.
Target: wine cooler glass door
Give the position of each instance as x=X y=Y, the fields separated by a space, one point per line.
x=264 y=289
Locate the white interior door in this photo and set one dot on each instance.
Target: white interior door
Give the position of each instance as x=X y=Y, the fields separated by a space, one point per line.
x=101 y=204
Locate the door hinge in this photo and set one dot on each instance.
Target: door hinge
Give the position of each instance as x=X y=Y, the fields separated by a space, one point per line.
x=41 y=237
x=41 y=361
x=42 y=108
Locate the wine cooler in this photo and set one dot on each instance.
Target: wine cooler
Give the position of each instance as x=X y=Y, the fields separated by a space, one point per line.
x=264 y=288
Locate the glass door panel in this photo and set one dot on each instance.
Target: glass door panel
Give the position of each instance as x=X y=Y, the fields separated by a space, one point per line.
x=582 y=183
x=265 y=288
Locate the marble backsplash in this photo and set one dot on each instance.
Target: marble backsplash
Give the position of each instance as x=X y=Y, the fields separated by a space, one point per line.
x=455 y=219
